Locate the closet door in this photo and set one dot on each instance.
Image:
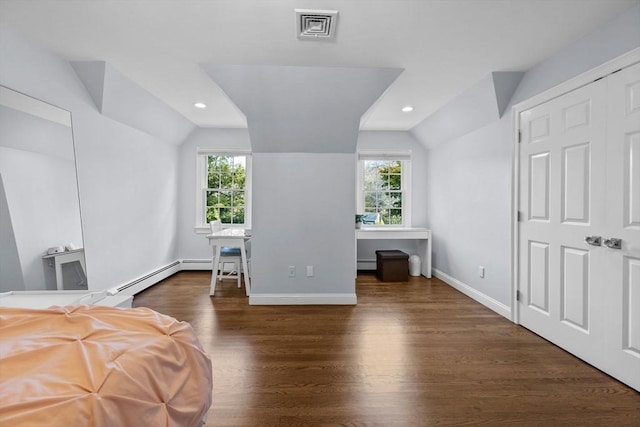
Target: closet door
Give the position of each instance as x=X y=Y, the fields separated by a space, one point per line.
x=622 y=302
x=562 y=191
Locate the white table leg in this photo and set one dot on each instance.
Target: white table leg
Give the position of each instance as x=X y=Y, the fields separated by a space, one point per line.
x=428 y=262
x=83 y=265
x=424 y=251
x=214 y=270
x=245 y=268
x=59 y=283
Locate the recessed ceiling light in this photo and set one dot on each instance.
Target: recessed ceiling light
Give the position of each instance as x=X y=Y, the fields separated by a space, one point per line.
x=407 y=109
x=200 y=105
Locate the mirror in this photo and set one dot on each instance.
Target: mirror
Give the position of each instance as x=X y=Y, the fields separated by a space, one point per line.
x=41 y=246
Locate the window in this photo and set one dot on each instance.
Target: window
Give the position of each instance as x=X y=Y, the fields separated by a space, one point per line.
x=384 y=188
x=223 y=188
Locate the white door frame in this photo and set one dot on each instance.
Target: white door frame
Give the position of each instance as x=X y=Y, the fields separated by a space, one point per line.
x=583 y=79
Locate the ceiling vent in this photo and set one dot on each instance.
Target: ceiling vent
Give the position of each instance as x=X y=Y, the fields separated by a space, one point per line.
x=316 y=24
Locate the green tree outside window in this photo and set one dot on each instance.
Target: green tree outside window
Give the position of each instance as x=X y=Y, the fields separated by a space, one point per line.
x=225 y=193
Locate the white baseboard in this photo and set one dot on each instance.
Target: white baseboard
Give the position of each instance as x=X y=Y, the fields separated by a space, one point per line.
x=195 y=264
x=146 y=281
x=472 y=293
x=303 y=299
x=366 y=264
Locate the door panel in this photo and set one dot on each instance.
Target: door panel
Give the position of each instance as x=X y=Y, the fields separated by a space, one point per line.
x=623 y=222
x=576 y=163
x=632 y=180
x=539 y=276
x=539 y=187
x=575 y=288
x=576 y=116
x=562 y=185
x=631 y=310
x=539 y=129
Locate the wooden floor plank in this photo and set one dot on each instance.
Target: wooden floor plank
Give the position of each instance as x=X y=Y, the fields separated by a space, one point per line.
x=409 y=354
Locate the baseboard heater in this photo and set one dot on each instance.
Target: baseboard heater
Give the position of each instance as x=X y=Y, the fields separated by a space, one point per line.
x=144 y=278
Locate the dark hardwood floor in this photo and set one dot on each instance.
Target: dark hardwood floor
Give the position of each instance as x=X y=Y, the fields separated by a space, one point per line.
x=416 y=354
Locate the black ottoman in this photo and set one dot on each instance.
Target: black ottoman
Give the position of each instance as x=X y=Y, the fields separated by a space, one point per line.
x=392 y=266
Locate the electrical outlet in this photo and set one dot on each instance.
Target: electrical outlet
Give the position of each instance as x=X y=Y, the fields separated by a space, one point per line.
x=309 y=270
x=292 y=271
x=481 y=271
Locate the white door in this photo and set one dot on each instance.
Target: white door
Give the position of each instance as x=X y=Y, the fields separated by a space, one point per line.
x=562 y=164
x=581 y=295
x=623 y=222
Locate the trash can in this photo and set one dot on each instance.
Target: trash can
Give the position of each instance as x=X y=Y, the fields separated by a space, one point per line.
x=414 y=265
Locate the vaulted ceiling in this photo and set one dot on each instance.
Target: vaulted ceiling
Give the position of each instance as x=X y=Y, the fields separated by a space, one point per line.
x=444 y=47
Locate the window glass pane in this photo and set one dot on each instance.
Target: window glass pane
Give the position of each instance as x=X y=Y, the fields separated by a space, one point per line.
x=369 y=200
x=212 y=215
x=396 y=200
x=384 y=216
x=395 y=216
x=381 y=200
x=395 y=181
x=212 y=198
x=213 y=181
x=226 y=178
x=225 y=215
x=238 y=199
x=240 y=162
x=237 y=216
x=212 y=162
x=239 y=178
x=225 y=199
x=222 y=162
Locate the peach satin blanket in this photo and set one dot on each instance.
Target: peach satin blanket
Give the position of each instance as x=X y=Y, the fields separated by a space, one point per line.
x=100 y=366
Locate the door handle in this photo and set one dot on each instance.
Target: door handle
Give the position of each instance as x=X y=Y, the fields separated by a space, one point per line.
x=613 y=243
x=593 y=240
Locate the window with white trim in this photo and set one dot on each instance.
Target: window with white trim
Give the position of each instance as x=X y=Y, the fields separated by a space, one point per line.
x=224 y=188
x=384 y=188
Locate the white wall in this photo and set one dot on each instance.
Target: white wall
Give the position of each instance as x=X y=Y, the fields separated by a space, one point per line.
x=469 y=182
x=469 y=188
x=304 y=206
x=128 y=179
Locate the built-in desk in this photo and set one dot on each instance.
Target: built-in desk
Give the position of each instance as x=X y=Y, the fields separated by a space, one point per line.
x=229 y=238
x=421 y=235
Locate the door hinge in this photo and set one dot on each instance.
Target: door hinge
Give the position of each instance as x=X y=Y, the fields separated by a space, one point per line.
x=519 y=136
x=518 y=295
x=519 y=216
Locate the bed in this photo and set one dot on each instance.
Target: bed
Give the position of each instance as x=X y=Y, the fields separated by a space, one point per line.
x=91 y=365
x=46 y=299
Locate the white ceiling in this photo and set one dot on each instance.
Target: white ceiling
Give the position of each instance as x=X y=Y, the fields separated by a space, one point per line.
x=445 y=46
